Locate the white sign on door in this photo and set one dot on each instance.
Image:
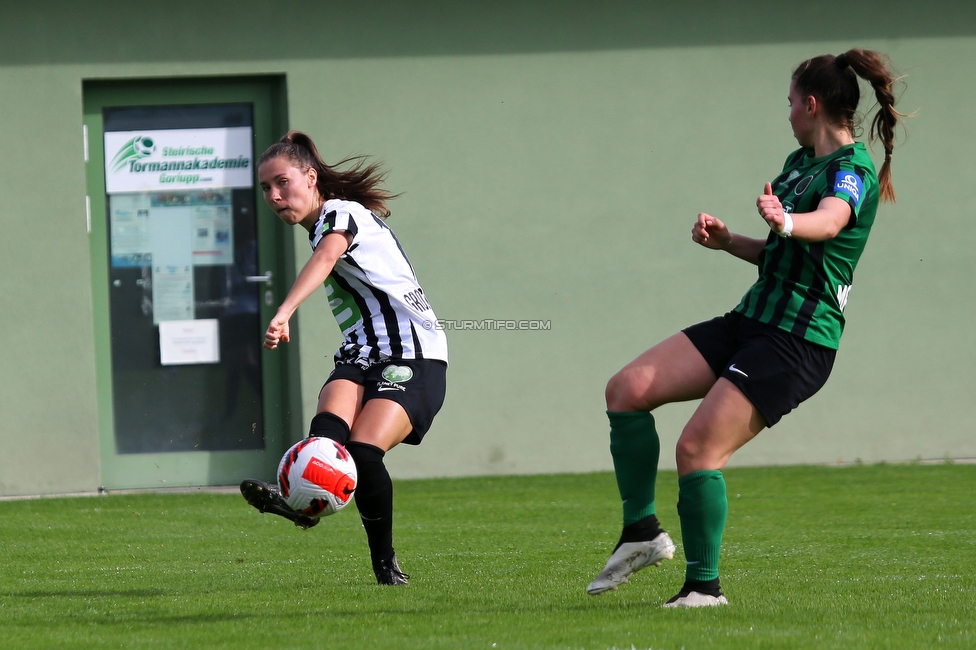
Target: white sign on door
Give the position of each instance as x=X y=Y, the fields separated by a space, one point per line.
x=189 y=341
x=178 y=159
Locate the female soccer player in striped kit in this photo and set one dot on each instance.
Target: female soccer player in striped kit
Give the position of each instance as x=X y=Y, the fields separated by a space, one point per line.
x=390 y=372
x=776 y=348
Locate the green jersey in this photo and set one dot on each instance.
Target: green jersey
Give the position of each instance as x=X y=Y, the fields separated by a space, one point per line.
x=803 y=286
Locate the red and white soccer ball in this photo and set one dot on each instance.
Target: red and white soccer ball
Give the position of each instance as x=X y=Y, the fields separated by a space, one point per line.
x=317 y=477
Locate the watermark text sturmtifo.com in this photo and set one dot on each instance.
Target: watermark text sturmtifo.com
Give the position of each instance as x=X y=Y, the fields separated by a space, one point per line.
x=489 y=324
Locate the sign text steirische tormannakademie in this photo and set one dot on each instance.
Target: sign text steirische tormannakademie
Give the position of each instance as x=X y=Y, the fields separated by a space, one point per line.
x=185 y=165
x=174 y=159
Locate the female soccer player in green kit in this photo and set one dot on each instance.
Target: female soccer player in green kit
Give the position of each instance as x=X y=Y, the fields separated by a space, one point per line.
x=776 y=348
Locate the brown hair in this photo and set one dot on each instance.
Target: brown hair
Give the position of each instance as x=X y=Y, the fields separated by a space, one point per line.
x=359 y=183
x=833 y=81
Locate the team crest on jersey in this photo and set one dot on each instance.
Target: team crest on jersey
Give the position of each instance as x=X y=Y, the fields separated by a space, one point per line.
x=849 y=183
x=802 y=186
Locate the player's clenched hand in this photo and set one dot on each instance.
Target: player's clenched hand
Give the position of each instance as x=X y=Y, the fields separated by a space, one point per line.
x=771 y=210
x=277 y=332
x=710 y=232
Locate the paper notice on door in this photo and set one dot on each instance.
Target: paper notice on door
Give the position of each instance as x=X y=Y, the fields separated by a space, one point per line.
x=183 y=342
x=172 y=270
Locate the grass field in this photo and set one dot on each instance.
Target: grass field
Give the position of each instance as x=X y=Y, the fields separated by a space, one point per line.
x=814 y=557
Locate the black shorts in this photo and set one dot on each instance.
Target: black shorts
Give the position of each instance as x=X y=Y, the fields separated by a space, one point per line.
x=418 y=385
x=774 y=369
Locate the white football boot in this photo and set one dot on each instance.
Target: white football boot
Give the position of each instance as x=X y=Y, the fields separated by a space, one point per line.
x=628 y=559
x=695 y=599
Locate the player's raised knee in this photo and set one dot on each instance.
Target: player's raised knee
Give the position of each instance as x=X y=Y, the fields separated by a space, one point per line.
x=625 y=393
x=692 y=453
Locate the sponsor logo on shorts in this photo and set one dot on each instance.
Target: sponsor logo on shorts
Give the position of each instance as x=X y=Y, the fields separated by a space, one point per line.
x=849 y=183
x=394 y=378
x=732 y=368
x=397 y=374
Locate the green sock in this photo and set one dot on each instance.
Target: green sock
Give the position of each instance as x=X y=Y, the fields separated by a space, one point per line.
x=635 y=448
x=702 y=507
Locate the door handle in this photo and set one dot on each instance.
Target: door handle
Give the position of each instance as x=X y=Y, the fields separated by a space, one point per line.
x=266 y=278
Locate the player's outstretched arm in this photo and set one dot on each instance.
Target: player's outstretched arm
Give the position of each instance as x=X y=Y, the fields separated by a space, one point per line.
x=710 y=232
x=311 y=277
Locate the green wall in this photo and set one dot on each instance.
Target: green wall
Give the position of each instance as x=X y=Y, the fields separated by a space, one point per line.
x=552 y=158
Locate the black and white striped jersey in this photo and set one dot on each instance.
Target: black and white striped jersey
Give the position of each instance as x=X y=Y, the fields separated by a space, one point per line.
x=373 y=291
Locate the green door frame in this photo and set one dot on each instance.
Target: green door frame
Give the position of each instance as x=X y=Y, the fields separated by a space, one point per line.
x=281 y=376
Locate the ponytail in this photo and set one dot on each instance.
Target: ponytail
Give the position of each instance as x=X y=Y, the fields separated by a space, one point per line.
x=833 y=80
x=874 y=69
x=360 y=182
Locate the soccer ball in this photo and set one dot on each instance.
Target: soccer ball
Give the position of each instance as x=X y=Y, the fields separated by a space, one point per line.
x=317 y=477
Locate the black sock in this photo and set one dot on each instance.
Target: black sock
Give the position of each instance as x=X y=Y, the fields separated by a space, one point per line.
x=374 y=499
x=707 y=587
x=329 y=425
x=641 y=531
